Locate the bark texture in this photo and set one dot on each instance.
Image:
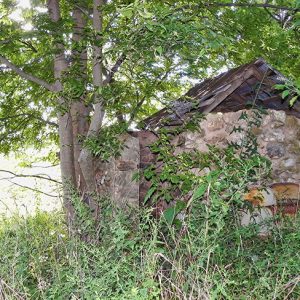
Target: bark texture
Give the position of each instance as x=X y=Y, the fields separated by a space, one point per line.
x=79 y=111
x=64 y=120
x=86 y=158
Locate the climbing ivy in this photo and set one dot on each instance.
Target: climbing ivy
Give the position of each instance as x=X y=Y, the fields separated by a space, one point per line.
x=218 y=177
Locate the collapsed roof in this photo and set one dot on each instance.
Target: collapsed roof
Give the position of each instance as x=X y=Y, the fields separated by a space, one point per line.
x=234 y=90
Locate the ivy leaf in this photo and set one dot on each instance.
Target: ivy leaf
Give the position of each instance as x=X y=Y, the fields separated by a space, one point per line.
x=285 y=94
x=293 y=100
x=279 y=86
x=159 y=50
x=174 y=179
x=149 y=193
x=171 y=212
x=145 y=14
x=177 y=223
x=127 y=12
x=180 y=206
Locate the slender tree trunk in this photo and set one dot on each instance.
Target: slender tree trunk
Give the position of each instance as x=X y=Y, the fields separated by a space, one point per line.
x=79 y=111
x=64 y=120
x=86 y=158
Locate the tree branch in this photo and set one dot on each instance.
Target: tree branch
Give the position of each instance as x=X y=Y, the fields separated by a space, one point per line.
x=43 y=167
x=85 y=12
x=157 y=83
x=24 y=75
x=136 y=109
x=30 y=176
x=46 y=121
x=114 y=69
x=32 y=189
x=29 y=45
x=30 y=115
x=86 y=157
x=271 y=15
x=252 y=5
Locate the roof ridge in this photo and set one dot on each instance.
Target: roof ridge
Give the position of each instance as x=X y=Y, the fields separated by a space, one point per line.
x=233 y=87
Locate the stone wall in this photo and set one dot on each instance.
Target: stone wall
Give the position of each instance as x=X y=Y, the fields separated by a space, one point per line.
x=114 y=178
x=278 y=139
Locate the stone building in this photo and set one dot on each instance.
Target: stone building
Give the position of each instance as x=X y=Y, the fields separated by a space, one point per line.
x=221 y=99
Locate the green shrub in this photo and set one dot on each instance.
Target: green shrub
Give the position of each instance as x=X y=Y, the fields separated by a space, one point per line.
x=144 y=259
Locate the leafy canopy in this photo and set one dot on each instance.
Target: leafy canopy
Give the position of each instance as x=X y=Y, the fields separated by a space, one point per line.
x=166 y=45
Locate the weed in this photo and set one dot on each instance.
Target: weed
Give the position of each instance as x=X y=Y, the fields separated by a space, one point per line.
x=147 y=260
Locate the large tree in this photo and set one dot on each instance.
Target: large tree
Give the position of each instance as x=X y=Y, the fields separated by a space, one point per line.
x=71 y=67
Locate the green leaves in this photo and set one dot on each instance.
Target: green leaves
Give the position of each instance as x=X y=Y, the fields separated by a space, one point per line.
x=159 y=50
x=127 y=12
x=167 y=46
x=199 y=192
x=150 y=192
x=171 y=212
x=285 y=94
x=215 y=180
x=145 y=13
x=291 y=91
x=108 y=143
x=134 y=9
x=293 y=100
x=279 y=86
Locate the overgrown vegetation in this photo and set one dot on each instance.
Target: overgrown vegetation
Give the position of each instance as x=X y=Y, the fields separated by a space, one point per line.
x=222 y=174
x=123 y=59
x=108 y=144
x=147 y=260
x=204 y=254
x=290 y=91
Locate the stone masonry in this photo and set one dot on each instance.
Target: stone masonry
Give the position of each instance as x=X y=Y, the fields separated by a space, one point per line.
x=114 y=178
x=278 y=139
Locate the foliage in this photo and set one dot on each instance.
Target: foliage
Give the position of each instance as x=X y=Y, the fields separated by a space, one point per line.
x=223 y=175
x=107 y=144
x=142 y=259
x=197 y=251
x=167 y=45
x=290 y=91
x=267 y=33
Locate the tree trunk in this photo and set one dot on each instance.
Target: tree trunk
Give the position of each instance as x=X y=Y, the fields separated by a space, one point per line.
x=64 y=121
x=86 y=157
x=79 y=111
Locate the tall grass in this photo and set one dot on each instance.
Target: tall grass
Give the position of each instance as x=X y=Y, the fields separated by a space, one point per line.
x=137 y=257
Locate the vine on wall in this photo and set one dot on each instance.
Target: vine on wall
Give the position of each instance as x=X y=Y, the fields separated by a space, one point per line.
x=218 y=178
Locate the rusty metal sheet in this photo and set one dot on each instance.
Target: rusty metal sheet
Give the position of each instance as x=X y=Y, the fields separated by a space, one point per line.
x=280 y=197
x=287 y=196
